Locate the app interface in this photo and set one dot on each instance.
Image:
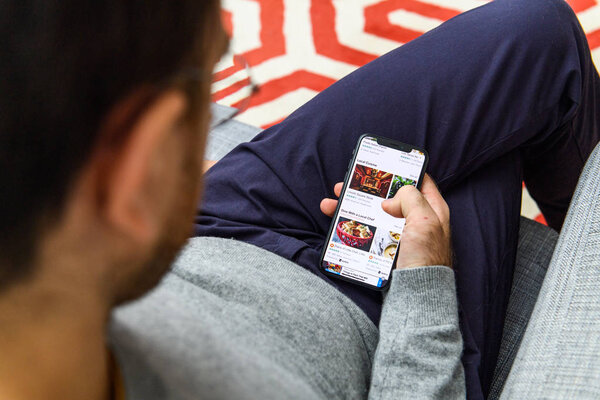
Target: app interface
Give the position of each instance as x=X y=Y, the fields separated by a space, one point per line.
x=365 y=238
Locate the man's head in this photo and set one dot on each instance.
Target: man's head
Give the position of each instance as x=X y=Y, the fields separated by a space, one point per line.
x=102 y=134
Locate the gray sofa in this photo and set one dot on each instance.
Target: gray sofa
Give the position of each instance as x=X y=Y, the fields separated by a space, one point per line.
x=551 y=340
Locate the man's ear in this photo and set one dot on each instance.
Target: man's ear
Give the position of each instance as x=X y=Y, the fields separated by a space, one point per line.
x=128 y=168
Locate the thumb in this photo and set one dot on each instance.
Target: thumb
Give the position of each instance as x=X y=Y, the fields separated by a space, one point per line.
x=407 y=200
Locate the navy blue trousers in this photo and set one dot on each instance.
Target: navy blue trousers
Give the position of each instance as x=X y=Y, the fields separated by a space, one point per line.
x=501 y=93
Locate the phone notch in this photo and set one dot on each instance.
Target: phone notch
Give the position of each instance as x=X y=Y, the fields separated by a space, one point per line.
x=394 y=144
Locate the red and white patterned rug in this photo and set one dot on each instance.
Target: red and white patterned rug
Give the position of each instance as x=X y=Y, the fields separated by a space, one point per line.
x=296 y=48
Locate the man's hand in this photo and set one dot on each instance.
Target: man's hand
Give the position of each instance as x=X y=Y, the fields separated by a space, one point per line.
x=426 y=236
x=207 y=164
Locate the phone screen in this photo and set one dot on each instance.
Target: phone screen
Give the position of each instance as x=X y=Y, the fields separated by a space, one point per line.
x=364 y=239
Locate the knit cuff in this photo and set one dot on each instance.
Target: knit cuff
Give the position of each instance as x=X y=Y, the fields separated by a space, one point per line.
x=426 y=295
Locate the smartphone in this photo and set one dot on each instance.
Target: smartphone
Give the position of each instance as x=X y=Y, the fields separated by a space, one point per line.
x=363 y=240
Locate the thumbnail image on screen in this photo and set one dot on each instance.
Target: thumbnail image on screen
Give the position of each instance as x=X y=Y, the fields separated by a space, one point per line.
x=354 y=234
x=385 y=243
x=371 y=181
x=397 y=183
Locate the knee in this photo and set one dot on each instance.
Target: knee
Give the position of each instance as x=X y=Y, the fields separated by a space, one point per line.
x=560 y=7
x=553 y=14
x=544 y=27
x=551 y=17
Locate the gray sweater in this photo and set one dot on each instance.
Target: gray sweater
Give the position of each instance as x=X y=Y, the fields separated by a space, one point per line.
x=233 y=321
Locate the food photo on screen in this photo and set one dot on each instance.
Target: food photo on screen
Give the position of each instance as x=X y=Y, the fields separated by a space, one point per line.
x=331 y=267
x=385 y=243
x=397 y=183
x=354 y=234
x=370 y=180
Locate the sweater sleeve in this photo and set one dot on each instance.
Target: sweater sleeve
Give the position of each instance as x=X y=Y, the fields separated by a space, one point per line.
x=420 y=345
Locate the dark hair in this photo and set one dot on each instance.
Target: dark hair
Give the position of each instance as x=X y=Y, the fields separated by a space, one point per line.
x=63 y=65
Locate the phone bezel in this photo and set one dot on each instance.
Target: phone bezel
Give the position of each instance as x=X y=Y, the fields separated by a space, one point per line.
x=384 y=142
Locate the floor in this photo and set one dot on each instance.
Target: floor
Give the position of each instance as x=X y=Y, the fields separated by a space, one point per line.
x=296 y=48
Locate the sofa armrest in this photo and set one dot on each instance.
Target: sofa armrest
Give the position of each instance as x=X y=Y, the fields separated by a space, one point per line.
x=558 y=356
x=224 y=138
x=534 y=252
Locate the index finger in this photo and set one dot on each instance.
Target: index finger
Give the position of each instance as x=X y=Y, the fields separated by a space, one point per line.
x=337 y=189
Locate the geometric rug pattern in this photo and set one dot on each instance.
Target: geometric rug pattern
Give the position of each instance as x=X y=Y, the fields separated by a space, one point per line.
x=297 y=48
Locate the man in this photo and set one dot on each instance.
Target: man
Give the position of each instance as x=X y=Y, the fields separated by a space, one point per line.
x=102 y=139
x=104 y=112
x=104 y=121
